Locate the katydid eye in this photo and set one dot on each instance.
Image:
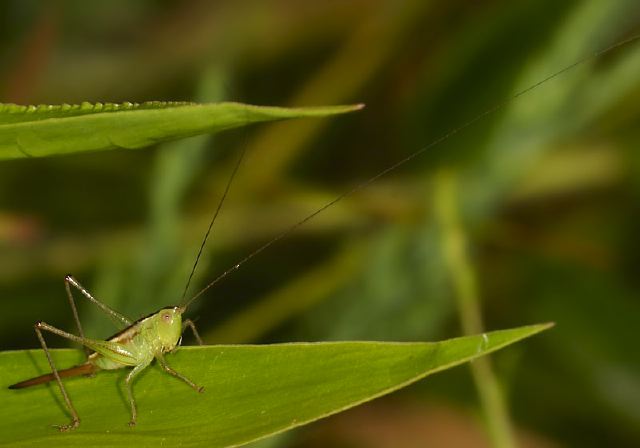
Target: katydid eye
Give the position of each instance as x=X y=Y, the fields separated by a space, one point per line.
x=166 y=317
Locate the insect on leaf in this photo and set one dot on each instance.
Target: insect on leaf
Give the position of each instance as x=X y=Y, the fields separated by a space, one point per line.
x=251 y=391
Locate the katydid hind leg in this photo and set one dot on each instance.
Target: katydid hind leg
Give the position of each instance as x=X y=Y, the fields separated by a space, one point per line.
x=69 y=281
x=74 y=311
x=106 y=347
x=75 y=419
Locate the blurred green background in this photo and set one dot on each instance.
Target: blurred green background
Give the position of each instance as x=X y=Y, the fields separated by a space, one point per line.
x=547 y=193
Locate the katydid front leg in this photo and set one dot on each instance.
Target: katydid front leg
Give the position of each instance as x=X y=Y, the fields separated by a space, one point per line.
x=189 y=323
x=167 y=368
x=132 y=402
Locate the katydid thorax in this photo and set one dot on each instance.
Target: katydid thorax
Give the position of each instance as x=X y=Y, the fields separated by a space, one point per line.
x=152 y=337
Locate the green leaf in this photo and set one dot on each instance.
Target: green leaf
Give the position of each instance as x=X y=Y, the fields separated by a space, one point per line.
x=37 y=131
x=251 y=391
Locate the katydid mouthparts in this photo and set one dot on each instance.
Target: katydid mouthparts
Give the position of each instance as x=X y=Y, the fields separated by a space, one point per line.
x=152 y=337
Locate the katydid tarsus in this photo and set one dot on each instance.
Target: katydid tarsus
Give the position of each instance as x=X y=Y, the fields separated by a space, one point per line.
x=152 y=337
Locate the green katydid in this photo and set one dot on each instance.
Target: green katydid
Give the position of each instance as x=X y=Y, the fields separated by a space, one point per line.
x=160 y=333
x=137 y=345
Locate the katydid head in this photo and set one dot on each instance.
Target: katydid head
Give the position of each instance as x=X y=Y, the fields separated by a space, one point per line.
x=169 y=326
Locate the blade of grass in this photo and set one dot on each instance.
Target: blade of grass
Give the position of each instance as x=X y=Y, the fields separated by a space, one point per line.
x=37 y=131
x=464 y=281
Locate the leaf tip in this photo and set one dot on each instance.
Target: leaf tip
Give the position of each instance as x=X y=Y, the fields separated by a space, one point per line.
x=347 y=108
x=539 y=328
x=547 y=325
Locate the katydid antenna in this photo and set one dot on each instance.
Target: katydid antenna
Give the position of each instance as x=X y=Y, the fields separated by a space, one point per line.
x=397 y=164
x=234 y=171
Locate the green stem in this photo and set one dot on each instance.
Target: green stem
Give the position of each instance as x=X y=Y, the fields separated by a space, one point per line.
x=454 y=246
